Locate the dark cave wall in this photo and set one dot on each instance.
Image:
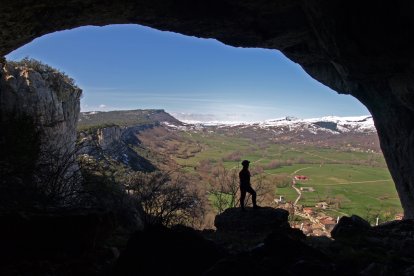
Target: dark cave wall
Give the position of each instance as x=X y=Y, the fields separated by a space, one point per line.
x=362 y=48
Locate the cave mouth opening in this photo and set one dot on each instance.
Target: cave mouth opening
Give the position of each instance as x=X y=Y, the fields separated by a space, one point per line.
x=125 y=67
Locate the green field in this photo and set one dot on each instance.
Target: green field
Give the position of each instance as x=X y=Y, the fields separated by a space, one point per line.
x=358 y=181
x=358 y=188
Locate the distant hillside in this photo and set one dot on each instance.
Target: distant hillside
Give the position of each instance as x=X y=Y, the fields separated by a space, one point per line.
x=352 y=133
x=125 y=118
x=331 y=124
x=110 y=137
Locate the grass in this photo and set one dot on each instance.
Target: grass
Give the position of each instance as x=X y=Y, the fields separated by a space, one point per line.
x=360 y=181
x=357 y=188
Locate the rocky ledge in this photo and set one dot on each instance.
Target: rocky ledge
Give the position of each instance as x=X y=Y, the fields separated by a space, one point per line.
x=357 y=248
x=76 y=242
x=260 y=220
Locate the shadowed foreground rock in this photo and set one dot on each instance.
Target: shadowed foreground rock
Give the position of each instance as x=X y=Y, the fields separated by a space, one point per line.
x=279 y=249
x=54 y=242
x=253 y=220
x=164 y=251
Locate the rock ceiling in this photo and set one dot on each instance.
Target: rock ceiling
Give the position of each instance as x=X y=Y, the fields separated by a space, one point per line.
x=363 y=48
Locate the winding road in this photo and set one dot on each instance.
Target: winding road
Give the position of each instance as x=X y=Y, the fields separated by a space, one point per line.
x=294 y=186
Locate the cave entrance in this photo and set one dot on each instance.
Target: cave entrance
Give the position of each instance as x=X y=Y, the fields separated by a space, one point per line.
x=127 y=67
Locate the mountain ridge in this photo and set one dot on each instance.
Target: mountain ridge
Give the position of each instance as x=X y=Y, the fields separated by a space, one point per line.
x=335 y=124
x=364 y=123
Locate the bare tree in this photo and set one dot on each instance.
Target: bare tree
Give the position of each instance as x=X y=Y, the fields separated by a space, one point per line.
x=35 y=172
x=166 y=198
x=262 y=185
x=58 y=176
x=224 y=189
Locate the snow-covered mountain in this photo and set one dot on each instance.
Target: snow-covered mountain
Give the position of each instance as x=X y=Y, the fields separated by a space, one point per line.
x=348 y=133
x=330 y=124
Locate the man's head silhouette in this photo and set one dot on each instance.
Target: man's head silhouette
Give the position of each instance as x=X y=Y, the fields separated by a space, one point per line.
x=245 y=163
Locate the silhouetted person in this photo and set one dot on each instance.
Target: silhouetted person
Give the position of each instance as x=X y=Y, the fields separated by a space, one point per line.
x=245 y=186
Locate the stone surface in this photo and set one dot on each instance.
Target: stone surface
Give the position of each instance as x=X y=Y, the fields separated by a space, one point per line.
x=50 y=102
x=44 y=94
x=53 y=232
x=108 y=136
x=360 y=48
x=380 y=250
x=263 y=220
x=55 y=242
x=116 y=143
x=350 y=228
x=164 y=251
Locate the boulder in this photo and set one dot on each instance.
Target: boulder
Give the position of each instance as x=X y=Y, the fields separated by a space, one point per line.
x=164 y=251
x=350 y=228
x=51 y=234
x=238 y=265
x=262 y=220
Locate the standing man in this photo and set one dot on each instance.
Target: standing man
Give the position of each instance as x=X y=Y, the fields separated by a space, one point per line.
x=245 y=186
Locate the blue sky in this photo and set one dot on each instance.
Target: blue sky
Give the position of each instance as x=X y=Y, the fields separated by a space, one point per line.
x=135 y=67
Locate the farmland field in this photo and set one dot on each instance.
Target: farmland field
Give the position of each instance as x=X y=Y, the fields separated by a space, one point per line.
x=358 y=182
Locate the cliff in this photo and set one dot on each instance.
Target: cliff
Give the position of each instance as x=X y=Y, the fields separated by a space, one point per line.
x=116 y=147
x=39 y=109
x=47 y=95
x=108 y=136
x=112 y=137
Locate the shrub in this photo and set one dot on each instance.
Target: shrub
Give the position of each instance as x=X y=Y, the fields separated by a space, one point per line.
x=165 y=198
x=234 y=156
x=40 y=67
x=274 y=164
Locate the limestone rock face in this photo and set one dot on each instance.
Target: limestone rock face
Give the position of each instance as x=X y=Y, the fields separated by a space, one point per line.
x=108 y=135
x=49 y=101
x=116 y=143
x=361 y=48
x=45 y=95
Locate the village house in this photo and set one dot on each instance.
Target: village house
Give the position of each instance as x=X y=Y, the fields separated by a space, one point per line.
x=328 y=222
x=308 y=211
x=301 y=177
x=280 y=200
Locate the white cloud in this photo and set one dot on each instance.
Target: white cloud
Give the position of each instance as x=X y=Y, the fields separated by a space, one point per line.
x=103 y=106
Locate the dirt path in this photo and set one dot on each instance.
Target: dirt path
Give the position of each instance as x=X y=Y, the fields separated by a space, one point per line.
x=294 y=187
x=301 y=169
x=299 y=194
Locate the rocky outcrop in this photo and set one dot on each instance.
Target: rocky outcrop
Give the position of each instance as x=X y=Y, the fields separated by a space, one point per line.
x=39 y=109
x=108 y=135
x=164 y=251
x=116 y=144
x=44 y=94
x=380 y=250
x=263 y=220
x=56 y=242
x=394 y=235
x=352 y=227
x=357 y=249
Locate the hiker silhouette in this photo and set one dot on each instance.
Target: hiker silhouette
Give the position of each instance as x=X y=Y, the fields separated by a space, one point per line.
x=245 y=186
